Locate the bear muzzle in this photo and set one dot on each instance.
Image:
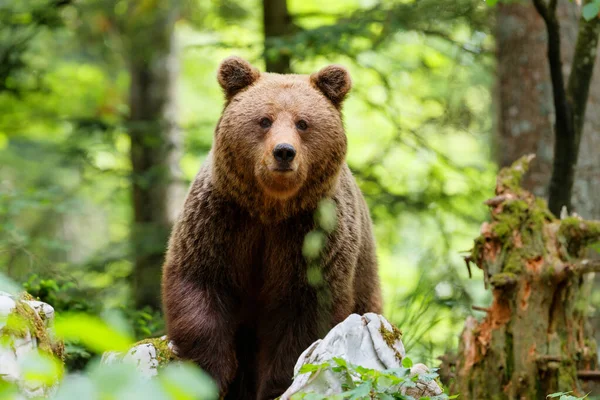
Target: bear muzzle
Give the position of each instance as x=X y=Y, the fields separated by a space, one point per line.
x=284 y=154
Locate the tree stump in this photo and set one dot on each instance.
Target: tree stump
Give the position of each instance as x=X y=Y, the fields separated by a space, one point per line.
x=534 y=338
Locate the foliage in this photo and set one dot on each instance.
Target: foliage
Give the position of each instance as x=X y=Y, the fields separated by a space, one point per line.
x=364 y=383
x=418 y=123
x=68 y=299
x=591 y=10
x=101 y=381
x=178 y=381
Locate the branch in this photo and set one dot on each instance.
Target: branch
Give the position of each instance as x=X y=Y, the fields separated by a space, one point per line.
x=541 y=8
x=583 y=68
x=562 y=271
x=483 y=309
x=566 y=143
x=587 y=266
x=589 y=375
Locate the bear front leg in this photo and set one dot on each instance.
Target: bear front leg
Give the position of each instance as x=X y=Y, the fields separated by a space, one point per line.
x=284 y=334
x=200 y=324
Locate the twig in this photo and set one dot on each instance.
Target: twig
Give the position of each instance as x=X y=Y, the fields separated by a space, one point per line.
x=587 y=375
x=496 y=201
x=587 y=266
x=562 y=271
x=548 y=358
x=468 y=260
x=479 y=308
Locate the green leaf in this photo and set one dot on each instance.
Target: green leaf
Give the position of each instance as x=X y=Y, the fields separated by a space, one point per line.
x=361 y=391
x=591 y=10
x=407 y=362
x=311 y=396
x=38 y=369
x=553 y=395
x=187 y=382
x=312 y=367
x=427 y=377
x=92 y=332
x=327 y=215
x=340 y=361
x=491 y=2
x=314 y=242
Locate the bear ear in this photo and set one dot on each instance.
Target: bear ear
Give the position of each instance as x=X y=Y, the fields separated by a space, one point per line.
x=236 y=74
x=334 y=81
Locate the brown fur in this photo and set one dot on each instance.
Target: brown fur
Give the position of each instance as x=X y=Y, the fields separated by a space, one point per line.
x=235 y=289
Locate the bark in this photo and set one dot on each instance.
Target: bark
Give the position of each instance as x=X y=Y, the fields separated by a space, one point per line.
x=157 y=187
x=533 y=340
x=277 y=24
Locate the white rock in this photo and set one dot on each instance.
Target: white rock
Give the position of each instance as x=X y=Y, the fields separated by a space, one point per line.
x=12 y=356
x=423 y=388
x=9 y=367
x=44 y=310
x=143 y=355
x=359 y=341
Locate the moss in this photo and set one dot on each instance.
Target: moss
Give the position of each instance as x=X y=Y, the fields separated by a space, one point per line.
x=510 y=178
x=164 y=354
x=24 y=319
x=567 y=377
x=26 y=296
x=518 y=227
x=591 y=344
x=503 y=279
x=477 y=250
x=513 y=263
x=578 y=234
x=391 y=337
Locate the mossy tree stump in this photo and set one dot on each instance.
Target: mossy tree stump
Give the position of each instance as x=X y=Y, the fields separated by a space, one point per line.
x=534 y=338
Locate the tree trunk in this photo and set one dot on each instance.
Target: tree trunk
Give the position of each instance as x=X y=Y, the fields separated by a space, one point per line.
x=533 y=340
x=525 y=107
x=157 y=188
x=277 y=24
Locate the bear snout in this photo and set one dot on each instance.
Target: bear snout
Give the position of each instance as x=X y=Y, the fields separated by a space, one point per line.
x=284 y=154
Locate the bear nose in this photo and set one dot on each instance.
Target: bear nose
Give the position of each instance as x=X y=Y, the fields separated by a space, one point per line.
x=284 y=152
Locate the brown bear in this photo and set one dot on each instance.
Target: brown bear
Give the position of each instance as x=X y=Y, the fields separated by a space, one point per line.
x=236 y=294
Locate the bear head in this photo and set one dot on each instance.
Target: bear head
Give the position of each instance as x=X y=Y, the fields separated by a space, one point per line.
x=280 y=142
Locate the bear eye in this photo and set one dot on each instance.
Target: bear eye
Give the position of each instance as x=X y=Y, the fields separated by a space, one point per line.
x=302 y=125
x=265 y=123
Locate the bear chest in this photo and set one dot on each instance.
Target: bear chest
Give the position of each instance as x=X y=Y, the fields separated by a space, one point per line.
x=267 y=261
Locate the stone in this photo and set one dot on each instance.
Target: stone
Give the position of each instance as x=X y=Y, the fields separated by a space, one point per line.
x=24 y=339
x=148 y=356
x=369 y=341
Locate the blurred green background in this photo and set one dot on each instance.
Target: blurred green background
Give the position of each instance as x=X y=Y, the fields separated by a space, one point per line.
x=107 y=110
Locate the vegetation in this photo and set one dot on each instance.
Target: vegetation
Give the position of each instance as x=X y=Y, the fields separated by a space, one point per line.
x=363 y=382
x=107 y=110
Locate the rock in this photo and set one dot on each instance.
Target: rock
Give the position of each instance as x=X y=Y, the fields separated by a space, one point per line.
x=148 y=356
x=369 y=341
x=423 y=388
x=25 y=327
